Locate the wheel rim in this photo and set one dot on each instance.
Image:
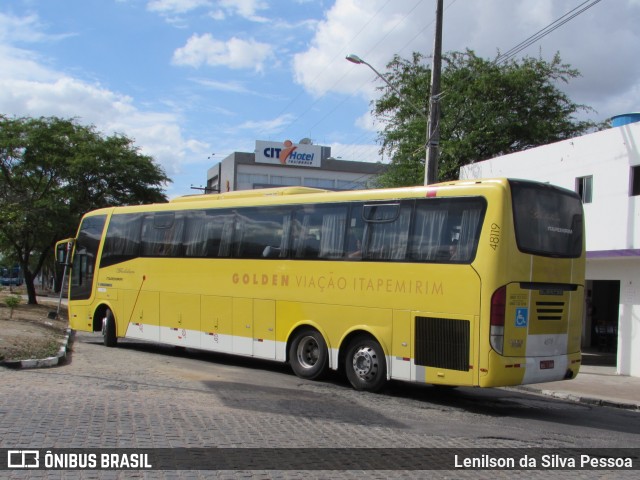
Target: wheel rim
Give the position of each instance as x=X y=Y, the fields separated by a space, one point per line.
x=104 y=325
x=365 y=363
x=308 y=352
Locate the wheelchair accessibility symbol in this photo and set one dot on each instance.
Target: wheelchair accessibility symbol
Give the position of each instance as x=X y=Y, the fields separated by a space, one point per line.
x=522 y=317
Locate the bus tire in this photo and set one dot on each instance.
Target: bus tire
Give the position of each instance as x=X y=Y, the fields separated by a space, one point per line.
x=308 y=354
x=365 y=364
x=109 y=337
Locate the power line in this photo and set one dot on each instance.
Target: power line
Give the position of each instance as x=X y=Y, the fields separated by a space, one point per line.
x=570 y=15
x=501 y=58
x=537 y=36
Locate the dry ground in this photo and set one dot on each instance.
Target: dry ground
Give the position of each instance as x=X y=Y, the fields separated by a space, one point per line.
x=29 y=333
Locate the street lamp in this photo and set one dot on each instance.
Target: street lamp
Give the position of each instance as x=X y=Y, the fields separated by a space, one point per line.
x=429 y=158
x=358 y=61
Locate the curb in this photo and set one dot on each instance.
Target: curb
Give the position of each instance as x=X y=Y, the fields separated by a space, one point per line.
x=599 y=402
x=43 y=362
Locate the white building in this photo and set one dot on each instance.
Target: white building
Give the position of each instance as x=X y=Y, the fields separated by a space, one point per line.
x=279 y=164
x=604 y=168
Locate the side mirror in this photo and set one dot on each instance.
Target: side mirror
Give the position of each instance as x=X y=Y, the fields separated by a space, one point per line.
x=63 y=251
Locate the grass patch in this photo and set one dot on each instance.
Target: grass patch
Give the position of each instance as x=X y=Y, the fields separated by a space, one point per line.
x=26 y=331
x=16 y=348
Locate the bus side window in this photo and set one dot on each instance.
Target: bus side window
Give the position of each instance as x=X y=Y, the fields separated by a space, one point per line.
x=162 y=234
x=122 y=241
x=305 y=234
x=386 y=231
x=471 y=217
x=355 y=232
x=225 y=225
x=195 y=234
x=446 y=230
x=259 y=228
x=208 y=233
x=332 y=233
x=319 y=232
x=430 y=224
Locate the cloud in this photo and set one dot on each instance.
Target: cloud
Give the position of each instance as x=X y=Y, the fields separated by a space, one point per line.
x=27 y=29
x=267 y=127
x=19 y=29
x=30 y=88
x=247 y=9
x=174 y=7
x=156 y=133
x=234 y=87
x=358 y=152
x=377 y=29
x=372 y=29
x=234 y=53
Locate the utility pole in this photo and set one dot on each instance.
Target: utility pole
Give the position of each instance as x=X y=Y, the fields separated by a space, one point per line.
x=433 y=125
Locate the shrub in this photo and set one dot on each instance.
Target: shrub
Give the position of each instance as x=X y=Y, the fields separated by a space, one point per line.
x=12 y=302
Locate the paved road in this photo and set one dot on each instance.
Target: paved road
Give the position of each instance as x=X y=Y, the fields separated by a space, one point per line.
x=148 y=396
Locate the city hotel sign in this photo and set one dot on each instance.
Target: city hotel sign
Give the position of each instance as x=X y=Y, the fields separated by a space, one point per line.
x=288 y=153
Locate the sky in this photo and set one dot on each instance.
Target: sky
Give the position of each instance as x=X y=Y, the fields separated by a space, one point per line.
x=191 y=81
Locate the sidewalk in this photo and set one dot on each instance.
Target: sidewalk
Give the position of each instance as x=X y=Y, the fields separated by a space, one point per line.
x=596 y=384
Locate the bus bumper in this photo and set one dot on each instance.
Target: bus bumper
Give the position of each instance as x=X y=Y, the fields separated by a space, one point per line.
x=509 y=371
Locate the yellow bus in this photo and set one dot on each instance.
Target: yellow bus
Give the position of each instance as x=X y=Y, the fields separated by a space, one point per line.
x=475 y=283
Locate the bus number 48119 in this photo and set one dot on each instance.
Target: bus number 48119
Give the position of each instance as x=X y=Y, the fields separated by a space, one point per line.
x=494 y=236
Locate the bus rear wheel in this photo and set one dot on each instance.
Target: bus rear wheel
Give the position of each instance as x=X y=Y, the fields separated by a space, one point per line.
x=308 y=354
x=109 y=337
x=365 y=364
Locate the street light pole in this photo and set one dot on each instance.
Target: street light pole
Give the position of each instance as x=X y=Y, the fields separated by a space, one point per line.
x=358 y=61
x=433 y=126
x=433 y=120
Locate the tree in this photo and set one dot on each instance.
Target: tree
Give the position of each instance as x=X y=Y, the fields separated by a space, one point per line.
x=487 y=109
x=54 y=170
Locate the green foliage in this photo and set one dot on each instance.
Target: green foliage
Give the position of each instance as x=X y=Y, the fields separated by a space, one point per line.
x=12 y=302
x=54 y=170
x=487 y=110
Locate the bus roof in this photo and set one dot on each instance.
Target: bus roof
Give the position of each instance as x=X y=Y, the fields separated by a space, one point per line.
x=261 y=192
x=289 y=195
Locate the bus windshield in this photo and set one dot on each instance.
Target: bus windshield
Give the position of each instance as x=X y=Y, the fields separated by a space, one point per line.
x=548 y=220
x=84 y=259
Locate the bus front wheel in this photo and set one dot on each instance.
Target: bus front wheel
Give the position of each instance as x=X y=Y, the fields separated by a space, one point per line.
x=365 y=364
x=109 y=337
x=308 y=354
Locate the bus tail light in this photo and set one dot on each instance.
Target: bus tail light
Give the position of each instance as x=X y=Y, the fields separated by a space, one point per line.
x=498 y=306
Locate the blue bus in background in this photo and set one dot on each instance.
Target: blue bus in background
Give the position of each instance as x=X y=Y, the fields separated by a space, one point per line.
x=11 y=276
